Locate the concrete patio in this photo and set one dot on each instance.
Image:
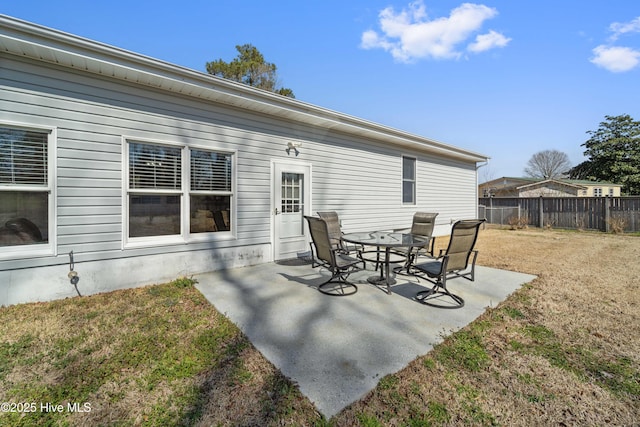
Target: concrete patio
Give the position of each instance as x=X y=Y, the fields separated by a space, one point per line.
x=337 y=348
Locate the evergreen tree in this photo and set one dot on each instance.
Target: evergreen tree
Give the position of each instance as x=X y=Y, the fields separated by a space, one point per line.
x=613 y=153
x=250 y=68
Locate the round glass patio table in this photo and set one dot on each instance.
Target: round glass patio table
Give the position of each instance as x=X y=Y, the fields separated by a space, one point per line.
x=386 y=240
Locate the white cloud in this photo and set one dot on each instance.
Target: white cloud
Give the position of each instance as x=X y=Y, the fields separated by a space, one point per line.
x=488 y=41
x=620 y=28
x=410 y=34
x=616 y=59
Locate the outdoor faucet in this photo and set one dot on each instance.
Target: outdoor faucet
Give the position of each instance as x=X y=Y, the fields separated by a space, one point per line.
x=73 y=275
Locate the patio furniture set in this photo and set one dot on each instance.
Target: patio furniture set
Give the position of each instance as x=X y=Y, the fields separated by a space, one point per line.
x=413 y=249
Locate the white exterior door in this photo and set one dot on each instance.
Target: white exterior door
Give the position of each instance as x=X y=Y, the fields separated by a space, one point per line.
x=291 y=201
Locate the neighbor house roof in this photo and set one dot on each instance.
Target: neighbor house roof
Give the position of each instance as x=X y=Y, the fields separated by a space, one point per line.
x=562 y=182
x=523 y=181
x=33 y=41
x=518 y=183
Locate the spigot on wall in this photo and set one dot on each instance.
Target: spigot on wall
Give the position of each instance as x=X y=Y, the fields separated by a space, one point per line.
x=73 y=275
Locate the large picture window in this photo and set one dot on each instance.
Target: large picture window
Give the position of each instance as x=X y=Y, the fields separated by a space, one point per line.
x=408 y=180
x=25 y=193
x=162 y=176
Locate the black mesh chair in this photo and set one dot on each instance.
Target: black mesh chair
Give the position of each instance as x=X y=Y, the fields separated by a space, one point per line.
x=340 y=264
x=459 y=260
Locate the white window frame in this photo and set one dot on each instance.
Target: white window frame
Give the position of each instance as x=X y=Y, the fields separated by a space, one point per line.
x=40 y=249
x=414 y=181
x=218 y=235
x=597 y=192
x=185 y=236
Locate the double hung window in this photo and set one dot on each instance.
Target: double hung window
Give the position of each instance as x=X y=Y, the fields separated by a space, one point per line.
x=408 y=180
x=26 y=202
x=210 y=191
x=155 y=190
x=178 y=191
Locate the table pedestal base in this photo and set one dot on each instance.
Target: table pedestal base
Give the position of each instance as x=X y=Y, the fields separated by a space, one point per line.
x=381 y=281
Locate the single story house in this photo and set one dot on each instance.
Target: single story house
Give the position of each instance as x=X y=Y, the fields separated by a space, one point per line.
x=536 y=187
x=119 y=170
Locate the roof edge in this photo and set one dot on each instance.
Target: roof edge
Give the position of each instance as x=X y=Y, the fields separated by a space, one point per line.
x=42 y=43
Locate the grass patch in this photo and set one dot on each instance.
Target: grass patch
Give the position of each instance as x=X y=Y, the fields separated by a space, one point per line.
x=513 y=313
x=616 y=374
x=465 y=350
x=368 y=420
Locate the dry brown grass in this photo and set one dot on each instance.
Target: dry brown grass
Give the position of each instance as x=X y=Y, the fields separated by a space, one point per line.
x=585 y=303
x=563 y=350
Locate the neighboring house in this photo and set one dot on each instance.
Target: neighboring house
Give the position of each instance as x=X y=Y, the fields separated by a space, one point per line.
x=131 y=170
x=535 y=187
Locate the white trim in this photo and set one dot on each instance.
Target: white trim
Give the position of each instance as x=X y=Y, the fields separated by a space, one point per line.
x=51 y=247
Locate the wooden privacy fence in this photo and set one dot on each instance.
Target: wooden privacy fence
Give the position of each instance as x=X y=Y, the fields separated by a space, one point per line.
x=594 y=213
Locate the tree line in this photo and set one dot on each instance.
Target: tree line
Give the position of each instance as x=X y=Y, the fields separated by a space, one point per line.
x=612 y=151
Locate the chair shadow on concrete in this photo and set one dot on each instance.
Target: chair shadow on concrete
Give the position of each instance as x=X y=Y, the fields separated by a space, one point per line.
x=407 y=287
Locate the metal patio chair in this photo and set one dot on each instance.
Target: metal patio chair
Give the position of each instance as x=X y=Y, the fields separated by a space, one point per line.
x=335 y=234
x=422 y=225
x=459 y=260
x=339 y=263
x=333 y=226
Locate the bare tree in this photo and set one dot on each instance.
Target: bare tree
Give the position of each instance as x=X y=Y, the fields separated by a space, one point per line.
x=548 y=164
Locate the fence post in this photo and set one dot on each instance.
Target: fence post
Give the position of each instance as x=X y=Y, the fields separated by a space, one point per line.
x=607 y=213
x=541 y=213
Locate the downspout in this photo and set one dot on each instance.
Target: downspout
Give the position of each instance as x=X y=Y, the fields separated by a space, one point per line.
x=486 y=163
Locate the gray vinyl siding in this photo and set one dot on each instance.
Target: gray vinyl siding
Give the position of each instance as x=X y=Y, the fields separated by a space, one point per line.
x=89 y=155
x=361 y=179
x=367 y=189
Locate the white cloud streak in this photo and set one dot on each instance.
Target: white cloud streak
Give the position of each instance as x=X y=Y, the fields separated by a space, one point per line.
x=410 y=34
x=488 y=41
x=620 y=28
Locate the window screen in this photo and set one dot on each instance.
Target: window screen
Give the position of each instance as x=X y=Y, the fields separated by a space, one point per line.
x=154 y=167
x=23 y=157
x=210 y=171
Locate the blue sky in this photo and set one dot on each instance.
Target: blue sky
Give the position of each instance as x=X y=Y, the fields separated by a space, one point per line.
x=503 y=78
